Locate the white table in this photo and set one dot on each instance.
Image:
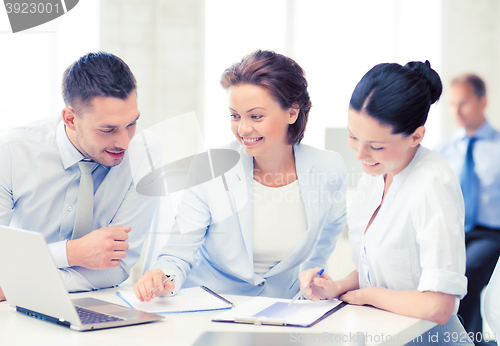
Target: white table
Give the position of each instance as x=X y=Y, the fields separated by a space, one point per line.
x=380 y=327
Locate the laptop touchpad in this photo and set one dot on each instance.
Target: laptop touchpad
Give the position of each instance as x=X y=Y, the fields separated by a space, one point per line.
x=108 y=309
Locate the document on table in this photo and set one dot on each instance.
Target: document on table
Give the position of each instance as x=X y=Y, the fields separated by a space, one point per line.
x=262 y=310
x=186 y=300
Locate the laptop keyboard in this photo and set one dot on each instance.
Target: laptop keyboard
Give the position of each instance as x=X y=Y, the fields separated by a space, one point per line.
x=90 y=317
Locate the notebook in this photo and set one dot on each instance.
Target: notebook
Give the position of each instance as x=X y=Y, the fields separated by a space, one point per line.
x=186 y=300
x=33 y=285
x=273 y=311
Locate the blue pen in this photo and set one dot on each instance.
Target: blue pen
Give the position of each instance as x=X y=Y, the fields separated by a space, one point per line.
x=301 y=292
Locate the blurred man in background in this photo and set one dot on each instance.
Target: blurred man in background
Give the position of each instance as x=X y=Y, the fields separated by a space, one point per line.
x=473 y=152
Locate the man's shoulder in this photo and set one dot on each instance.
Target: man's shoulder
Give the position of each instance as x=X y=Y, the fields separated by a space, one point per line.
x=449 y=141
x=496 y=136
x=37 y=132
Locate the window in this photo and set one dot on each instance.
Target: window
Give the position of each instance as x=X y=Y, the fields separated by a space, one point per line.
x=336 y=42
x=32 y=62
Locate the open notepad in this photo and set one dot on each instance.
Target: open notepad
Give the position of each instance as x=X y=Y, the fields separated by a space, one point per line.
x=262 y=310
x=186 y=300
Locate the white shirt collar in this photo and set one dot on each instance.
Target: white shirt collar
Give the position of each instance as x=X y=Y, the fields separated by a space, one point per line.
x=484 y=131
x=69 y=154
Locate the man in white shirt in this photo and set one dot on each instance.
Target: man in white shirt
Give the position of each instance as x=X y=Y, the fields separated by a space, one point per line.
x=94 y=219
x=473 y=152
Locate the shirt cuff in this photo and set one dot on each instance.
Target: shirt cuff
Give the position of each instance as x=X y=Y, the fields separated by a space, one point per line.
x=59 y=254
x=439 y=280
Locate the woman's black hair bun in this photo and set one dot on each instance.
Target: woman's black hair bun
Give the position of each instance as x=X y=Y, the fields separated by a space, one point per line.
x=430 y=76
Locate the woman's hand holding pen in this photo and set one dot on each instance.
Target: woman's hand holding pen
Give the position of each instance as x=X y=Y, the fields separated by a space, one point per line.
x=152 y=284
x=323 y=287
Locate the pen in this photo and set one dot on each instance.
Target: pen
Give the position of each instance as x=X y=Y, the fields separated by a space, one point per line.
x=168 y=279
x=301 y=292
x=217 y=295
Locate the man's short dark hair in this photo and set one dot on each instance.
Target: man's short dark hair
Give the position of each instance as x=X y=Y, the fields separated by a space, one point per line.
x=96 y=74
x=478 y=85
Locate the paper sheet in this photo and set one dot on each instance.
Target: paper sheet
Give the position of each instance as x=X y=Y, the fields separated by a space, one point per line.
x=186 y=300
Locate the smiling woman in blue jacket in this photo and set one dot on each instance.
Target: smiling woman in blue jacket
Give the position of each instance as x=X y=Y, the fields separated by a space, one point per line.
x=277 y=212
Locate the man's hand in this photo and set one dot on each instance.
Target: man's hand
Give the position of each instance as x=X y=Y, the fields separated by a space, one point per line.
x=100 y=249
x=2 y=296
x=143 y=288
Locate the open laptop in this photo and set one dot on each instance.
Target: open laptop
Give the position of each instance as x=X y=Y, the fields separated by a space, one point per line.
x=33 y=285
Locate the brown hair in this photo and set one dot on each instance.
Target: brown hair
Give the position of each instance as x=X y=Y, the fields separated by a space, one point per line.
x=282 y=77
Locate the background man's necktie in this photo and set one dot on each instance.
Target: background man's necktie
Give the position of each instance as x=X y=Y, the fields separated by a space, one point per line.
x=470 y=187
x=85 y=203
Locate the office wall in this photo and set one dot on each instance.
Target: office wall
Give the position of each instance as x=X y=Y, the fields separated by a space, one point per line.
x=471 y=43
x=163 y=42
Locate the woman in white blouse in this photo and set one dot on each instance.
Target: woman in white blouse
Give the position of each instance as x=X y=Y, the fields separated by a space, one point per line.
x=406 y=219
x=279 y=211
